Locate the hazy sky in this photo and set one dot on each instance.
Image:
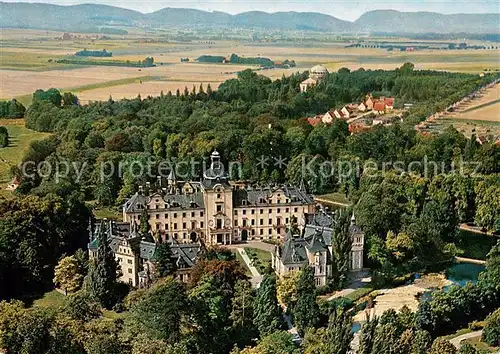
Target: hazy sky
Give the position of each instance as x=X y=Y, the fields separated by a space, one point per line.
x=347 y=10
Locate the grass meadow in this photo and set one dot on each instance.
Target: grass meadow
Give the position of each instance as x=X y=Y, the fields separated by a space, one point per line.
x=20 y=139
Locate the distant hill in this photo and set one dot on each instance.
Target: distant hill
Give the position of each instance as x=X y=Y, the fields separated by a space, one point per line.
x=70 y=18
x=425 y=22
x=88 y=17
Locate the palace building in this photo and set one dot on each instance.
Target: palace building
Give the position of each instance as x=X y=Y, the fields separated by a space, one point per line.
x=135 y=252
x=312 y=246
x=216 y=210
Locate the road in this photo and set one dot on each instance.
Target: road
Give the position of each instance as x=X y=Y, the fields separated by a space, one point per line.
x=256 y=278
x=457 y=340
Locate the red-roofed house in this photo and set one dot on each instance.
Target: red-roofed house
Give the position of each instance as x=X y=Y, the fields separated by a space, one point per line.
x=369 y=102
x=389 y=103
x=314 y=121
x=379 y=107
x=329 y=117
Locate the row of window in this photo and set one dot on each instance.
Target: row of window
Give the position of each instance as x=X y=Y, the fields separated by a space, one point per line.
x=261 y=211
x=183 y=215
x=261 y=222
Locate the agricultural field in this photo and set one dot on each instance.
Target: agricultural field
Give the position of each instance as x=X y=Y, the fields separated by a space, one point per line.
x=479 y=116
x=28 y=61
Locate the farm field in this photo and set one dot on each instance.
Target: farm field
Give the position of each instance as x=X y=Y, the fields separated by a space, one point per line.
x=28 y=62
x=485 y=108
x=150 y=88
x=20 y=139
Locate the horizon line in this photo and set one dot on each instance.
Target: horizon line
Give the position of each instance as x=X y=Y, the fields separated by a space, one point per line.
x=245 y=12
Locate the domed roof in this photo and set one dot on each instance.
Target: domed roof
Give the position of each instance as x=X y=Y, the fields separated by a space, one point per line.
x=319 y=69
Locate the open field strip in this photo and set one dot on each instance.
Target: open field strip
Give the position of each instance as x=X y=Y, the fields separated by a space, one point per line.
x=149 y=88
x=20 y=139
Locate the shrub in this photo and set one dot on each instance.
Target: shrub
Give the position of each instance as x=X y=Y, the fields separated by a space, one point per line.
x=491 y=332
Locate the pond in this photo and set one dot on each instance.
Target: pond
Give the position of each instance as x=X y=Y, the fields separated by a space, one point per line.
x=461 y=273
x=356 y=327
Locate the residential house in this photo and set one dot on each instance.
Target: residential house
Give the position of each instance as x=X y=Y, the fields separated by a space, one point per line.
x=328 y=117
x=362 y=107
x=314 y=121
x=347 y=112
x=369 y=102
x=310 y=82
x=389 y=103
x=379 y=107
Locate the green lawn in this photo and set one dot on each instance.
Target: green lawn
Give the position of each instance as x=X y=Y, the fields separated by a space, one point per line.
x=52 y=300
x=261 y=259
x=55 y=301
x=20 y=139
x=335 y=197
x=359 y=293
x=111 y=213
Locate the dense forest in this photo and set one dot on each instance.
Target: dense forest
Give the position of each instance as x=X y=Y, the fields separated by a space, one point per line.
x=409 y=214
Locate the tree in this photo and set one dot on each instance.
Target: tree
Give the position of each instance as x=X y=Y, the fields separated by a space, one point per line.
x=337 y=337
x=161 y=309
x=68 y=274
x=51 y=95
x=24 y=330
x=491 y=332
x=80 y=306
x=467 y=348
x=101 y=279
x=341 y=247
x=4 y=137
x=422 y=342
x=279 y=342
x=242 y=309
x=489 y=279
x=165 y=264
x=386 y=339
x=267 y=313
x=306 y=311
x=70 y=99
x=144 y=226
x=442 y=346
x=287 y=289
x=367 y=335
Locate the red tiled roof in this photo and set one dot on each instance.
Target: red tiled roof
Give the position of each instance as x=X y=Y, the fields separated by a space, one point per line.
x=314 y=121
x=379 y=106
x=358 y=127
x=389 y=101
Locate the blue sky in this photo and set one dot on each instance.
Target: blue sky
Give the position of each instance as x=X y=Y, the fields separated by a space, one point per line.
x=346 y=10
